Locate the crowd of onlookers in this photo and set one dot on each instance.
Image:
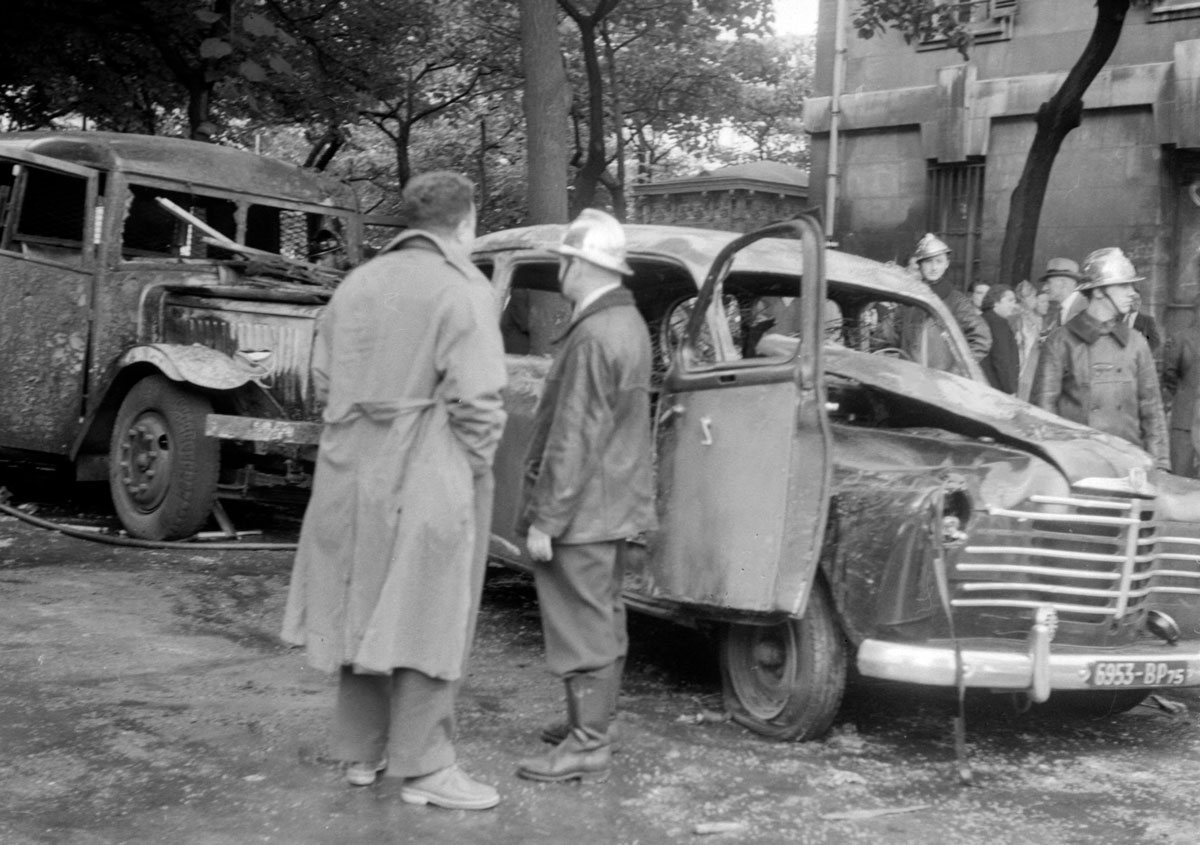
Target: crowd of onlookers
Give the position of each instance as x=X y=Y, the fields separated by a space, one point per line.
x=1020 y=321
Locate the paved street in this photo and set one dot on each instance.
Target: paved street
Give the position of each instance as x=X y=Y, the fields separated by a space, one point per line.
x=147 y=699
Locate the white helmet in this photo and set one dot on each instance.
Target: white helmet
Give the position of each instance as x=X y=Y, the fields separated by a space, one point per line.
x=1108 y=266
x=930 y=246
x=597 y=237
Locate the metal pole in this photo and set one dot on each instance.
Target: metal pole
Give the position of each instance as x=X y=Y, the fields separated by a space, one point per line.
x=832 y=171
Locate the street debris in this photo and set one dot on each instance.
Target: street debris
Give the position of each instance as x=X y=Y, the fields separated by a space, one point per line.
x=704 y=716
x=860 y=815
x=709 y=828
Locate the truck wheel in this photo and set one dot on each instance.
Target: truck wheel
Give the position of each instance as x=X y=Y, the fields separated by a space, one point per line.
x=162 y=467
x=786 y=681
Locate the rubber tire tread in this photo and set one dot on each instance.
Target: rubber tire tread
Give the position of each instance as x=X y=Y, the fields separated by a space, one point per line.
x=195 y=461
x=822 y=652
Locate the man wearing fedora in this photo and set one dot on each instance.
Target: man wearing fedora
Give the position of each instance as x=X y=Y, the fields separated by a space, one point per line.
x=1061 y=283
x=1098 y=371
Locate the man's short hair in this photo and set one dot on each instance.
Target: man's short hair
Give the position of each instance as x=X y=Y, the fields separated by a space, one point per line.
x=437 y=201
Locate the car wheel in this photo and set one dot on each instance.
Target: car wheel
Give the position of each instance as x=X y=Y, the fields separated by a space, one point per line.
x=1095 y=705
x=786 y=681
x=162 y=467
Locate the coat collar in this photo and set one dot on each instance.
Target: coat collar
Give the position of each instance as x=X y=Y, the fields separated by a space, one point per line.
x=612 y=299
x=428 y=241
x=1088 y=329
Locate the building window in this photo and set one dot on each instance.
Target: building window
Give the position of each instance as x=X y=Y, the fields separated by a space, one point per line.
x=984 y=21
x=1173 y=10
x=955 y=214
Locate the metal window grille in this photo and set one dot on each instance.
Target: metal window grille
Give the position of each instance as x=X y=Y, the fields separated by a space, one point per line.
x=985 y=20
x=955 y=213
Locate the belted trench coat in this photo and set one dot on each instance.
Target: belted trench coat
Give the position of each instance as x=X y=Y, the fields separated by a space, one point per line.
x=1103 y=375
x=409 y=361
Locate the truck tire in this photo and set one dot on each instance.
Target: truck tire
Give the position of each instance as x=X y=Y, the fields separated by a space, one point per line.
x=786 y=681
x=162 y=467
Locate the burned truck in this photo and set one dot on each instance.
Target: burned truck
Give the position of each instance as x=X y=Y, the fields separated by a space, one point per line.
x=856 y=495
x=157 y=303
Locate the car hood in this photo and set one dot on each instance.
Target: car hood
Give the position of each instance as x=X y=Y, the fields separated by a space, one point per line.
x=917 y=396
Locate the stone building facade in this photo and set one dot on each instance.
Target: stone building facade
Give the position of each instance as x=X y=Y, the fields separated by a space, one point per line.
x=737 y=198
x=930 y=142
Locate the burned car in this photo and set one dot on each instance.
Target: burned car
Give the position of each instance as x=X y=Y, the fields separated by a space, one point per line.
x=157 y=301
x=858 y=493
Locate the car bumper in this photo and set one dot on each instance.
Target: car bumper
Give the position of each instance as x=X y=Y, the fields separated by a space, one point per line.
x=1011 y=666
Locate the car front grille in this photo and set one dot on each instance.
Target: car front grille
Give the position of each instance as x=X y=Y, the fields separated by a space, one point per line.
x=1091 y=558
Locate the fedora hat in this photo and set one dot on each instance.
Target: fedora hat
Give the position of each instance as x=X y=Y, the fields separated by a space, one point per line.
x=1061 y=267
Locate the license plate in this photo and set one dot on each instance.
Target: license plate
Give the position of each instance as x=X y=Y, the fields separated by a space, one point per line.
x=1141 y=673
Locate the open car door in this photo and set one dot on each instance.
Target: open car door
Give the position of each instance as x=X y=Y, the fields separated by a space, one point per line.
x=743 y=451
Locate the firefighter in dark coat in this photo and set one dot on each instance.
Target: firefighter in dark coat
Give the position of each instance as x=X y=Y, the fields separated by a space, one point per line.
x=931 y=259
x=1098 y=371
x=589 y=487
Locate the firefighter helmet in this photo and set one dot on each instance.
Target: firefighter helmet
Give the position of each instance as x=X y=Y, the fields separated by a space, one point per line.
x=598 y=238
x=1108 y=266
x=929 y=246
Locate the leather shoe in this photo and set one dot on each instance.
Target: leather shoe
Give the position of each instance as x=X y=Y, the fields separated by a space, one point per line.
x=569 y=760
x=451 y=788
x=364 y=774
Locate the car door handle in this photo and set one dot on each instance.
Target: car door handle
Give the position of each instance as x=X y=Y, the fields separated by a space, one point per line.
x=670 y=411
x=706 y=438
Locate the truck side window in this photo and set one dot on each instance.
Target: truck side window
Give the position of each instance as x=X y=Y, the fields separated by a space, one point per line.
x=152 y=230
x=49 y=221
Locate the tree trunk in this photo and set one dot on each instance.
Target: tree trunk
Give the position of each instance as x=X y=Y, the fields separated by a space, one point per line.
x=545 y=102
x=591 y=172
x=616 y=186
x=1055 y=119
x=588 y=176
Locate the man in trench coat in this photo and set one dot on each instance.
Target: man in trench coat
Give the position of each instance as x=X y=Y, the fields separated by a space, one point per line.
x=389 y=570
x=589 y=487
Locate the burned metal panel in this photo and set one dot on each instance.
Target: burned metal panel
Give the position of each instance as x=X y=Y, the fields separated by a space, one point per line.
x=917 y=396
x=880 y=542
x=43 y=348
x=274 y=337
x=118 y=305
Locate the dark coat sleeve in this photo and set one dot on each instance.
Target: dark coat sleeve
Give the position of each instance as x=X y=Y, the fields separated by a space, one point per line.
x=574 y=442
x=1047 y=381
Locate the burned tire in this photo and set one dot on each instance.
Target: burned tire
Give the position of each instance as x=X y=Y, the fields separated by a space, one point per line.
x=162 y=467
x=786 y=681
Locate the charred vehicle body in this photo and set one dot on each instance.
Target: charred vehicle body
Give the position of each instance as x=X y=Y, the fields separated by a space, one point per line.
x=157 y=299
x=858 y=493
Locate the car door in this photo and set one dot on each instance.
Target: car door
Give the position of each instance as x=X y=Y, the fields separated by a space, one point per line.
x=48 y=219
x=743 y=454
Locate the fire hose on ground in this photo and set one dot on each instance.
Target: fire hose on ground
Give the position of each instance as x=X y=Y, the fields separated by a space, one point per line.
x=135 y=542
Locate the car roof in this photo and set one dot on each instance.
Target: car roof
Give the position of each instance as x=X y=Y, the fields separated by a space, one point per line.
x=182 y=160
x=698 y=248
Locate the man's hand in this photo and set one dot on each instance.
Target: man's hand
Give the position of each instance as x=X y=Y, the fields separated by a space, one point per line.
x=538 y=543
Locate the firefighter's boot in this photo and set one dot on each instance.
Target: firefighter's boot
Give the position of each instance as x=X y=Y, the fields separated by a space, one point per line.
x=585 y=754
x=557 y=732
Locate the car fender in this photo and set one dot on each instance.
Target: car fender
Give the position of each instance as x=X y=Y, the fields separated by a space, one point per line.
x=195 y=364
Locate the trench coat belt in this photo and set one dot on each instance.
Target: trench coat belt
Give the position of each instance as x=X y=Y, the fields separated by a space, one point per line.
x=380 y=411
